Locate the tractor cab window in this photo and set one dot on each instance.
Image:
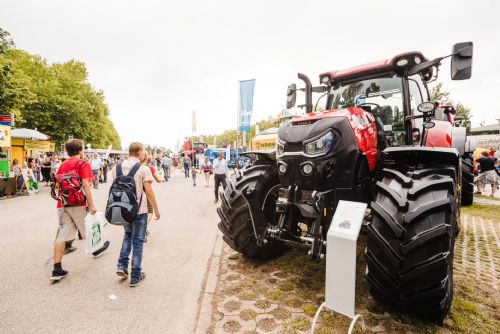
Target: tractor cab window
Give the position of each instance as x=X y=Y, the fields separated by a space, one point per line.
x=382 y=96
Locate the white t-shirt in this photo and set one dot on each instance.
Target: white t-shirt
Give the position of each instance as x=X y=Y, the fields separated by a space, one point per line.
x=142 y=176
x=220 y=166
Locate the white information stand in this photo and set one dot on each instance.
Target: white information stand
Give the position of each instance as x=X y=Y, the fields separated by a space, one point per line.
x=341 y=262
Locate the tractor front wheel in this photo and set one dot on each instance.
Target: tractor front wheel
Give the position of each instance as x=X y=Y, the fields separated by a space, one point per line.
x=236 y=220
x=411 y=239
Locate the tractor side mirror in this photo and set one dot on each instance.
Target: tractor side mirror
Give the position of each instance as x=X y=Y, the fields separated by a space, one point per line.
x=291 y=96
x=461 y=61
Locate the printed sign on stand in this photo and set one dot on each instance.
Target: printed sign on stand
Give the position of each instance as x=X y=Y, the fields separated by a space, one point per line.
x=29 y=181
x=340 y=282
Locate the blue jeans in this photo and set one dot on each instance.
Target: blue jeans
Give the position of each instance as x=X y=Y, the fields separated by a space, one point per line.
x=133 y=240
x=186 y=170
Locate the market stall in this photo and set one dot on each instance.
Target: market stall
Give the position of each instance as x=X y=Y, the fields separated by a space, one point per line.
x=7 y=181
x=27 y=143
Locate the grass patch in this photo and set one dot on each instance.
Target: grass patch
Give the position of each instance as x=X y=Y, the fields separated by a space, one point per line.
x=248 y=314
x=275 y=295
x=466 y=315
x=481 y=210
x=487 y=197
x=301 y=323
x=309 y=309
x=286 y=286
x=263 y=304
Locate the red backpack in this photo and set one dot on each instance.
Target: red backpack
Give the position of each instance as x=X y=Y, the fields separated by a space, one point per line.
x=68 y=187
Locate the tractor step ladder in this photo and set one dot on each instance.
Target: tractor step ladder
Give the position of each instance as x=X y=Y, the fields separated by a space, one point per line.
x=340 y=282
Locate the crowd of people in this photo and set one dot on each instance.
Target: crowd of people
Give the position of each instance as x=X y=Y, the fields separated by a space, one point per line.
x=144 y=170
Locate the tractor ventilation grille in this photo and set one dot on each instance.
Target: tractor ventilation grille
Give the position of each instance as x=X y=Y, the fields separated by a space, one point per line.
x=302 y=123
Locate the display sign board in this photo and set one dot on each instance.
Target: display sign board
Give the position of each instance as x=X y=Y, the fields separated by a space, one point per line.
x=5 y=136
x=29 y=181
x=341 y=256
x=39 y=145
x=340 y=277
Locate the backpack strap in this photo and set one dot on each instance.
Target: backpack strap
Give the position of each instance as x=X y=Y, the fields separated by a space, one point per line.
x=134 y=169
x=119 y=171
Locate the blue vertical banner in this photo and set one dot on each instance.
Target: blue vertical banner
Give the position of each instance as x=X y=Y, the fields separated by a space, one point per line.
x=245 y=104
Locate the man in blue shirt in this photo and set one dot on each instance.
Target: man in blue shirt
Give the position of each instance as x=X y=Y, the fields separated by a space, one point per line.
x=96 y=164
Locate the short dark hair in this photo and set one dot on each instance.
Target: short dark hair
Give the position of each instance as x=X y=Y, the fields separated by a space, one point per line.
x=135 y=148
x=74 y=146
x=485 y=153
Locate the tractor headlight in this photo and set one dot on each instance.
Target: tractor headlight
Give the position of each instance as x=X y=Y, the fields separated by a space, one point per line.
x=319 y=146
x=280 y=148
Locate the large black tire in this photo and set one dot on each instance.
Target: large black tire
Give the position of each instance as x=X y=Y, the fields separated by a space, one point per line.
x=236 y=223
x=467 y=180
x=411 y=239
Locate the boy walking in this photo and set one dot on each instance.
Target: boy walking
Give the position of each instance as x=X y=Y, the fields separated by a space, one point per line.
x=133 y=238
x=71 y=218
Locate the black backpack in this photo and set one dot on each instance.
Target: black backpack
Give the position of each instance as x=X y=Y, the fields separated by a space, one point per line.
x=122 y=207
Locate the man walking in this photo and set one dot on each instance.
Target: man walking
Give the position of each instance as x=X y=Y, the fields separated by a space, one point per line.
x=488 y=174
x=166 y=163
x=96 y=164
x=133 y=238
x=187 y=164
x=71 y=219
x=220 y=170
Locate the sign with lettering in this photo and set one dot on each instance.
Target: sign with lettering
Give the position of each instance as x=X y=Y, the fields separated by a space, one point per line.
x=39 y=145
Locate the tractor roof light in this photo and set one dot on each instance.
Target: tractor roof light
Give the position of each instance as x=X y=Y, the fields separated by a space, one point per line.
x=325 y=79
x=402 y=62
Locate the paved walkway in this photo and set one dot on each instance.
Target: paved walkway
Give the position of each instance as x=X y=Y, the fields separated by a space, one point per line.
x=175 y=260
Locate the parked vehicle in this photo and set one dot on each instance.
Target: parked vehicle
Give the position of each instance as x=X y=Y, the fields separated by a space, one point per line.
x=380 y=141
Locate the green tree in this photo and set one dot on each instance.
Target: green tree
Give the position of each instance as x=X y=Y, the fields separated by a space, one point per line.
x=439 y=94
x=57 y=99
x=6 y=42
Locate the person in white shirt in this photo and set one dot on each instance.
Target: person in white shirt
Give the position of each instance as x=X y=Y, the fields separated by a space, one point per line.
x=220 y=170
x=166 y=163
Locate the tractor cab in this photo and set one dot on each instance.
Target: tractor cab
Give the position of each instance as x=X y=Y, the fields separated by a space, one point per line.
x=391 y=89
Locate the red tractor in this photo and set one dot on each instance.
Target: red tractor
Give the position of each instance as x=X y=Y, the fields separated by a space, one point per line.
x=380 y=141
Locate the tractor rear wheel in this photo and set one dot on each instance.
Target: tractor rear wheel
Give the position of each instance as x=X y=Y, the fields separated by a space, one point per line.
x=236 y=221
x=467 y=179
x=411 y=239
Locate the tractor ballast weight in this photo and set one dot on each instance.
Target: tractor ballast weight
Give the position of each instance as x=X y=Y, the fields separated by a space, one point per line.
x=380 y=141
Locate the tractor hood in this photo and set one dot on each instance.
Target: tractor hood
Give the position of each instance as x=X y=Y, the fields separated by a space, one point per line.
x=307 y=127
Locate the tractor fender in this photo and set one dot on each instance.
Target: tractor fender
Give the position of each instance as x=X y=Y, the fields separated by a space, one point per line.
x=439 y=135
x=458 y=139
x=415 y=155
x=268 y=155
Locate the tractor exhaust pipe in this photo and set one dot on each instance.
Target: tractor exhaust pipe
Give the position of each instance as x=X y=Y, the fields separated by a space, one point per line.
x=308 y=92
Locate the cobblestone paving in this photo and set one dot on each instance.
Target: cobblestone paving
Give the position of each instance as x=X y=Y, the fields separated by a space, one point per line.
x=282 y=295
x=477 y=250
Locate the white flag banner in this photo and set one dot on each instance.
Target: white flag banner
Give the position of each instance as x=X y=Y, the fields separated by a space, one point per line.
x=193 y=121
